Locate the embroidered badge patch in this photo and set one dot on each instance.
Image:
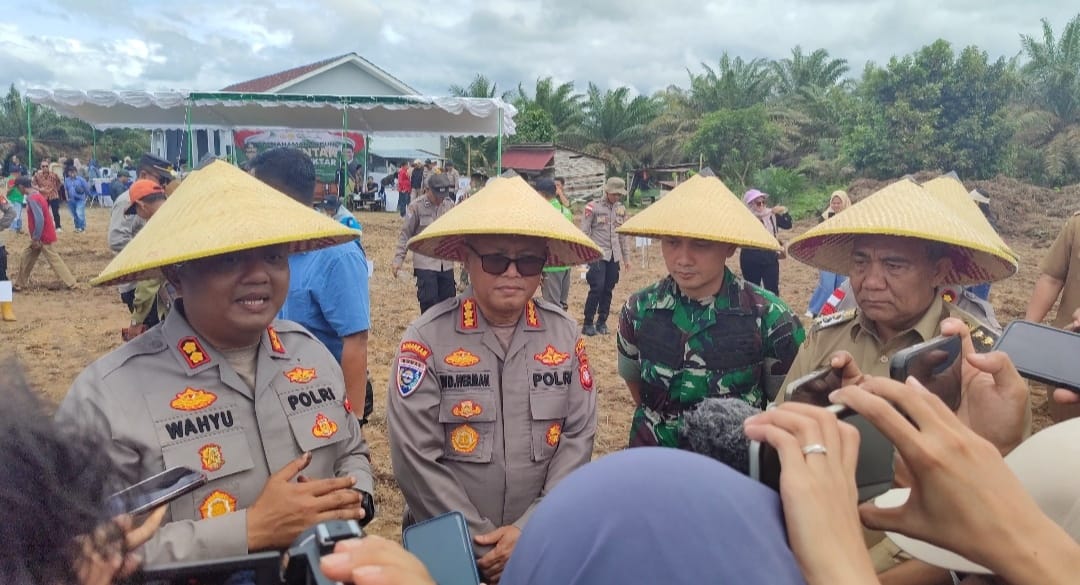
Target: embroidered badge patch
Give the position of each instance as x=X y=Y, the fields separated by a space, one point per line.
x=948 y=295
x=410 y=373
x=193 y=352
x=193 y=399
x=211 y=457
x=275 y=341
x=466 y=409
x=579 y=347
x=464 y=439
x=585 y=375
x=462 y=358
x=468 y=314
x=553 y=434
x=218 y=503
x=300 y=375
x=531 y=318
x=416 y=348
x=324 y=427
x=551 y=356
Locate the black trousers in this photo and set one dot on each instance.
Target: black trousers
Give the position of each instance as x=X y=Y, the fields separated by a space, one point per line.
x=3 y=263
x=129 y=299
x=761 y=272
x=602 y=277
x=434 y=287
x=54 y=204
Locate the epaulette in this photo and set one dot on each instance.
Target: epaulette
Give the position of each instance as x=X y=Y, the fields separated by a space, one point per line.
x=149 y=343
x=286 y=326
x=826 y=321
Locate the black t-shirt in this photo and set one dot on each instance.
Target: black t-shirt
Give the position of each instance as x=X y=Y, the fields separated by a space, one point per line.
x=417 y=178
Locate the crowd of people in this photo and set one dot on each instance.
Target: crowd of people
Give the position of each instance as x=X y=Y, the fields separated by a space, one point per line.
x=254 y=328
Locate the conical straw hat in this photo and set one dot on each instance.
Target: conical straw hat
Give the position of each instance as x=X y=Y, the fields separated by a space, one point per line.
x=217 y=210
x=505 y=206
x=702 y=208
x=906 y=209
x=950 y=191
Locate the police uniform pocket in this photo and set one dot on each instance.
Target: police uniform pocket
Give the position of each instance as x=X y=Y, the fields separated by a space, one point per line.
x=315 y=429
x=548 y=409
x=468 y=421
x=216 y=455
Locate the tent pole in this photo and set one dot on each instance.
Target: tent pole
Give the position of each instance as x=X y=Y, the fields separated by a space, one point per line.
x=27 y=104
x=93 y=133
x=191 y=135
x=499 y=170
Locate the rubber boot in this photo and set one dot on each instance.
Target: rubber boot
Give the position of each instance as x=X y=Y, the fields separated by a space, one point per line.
x=7 y=311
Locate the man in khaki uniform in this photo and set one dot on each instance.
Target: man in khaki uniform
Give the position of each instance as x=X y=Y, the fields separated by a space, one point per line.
x=600 y=220
x=221 y=386
x=896 y=283
x=434 y=276
x=491 y=399
x=1059 y=277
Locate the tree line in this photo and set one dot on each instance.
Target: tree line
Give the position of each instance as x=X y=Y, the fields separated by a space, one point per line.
x=805 y=118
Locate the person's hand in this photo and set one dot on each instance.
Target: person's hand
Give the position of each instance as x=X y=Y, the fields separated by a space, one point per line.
x=994 y=398
x=394 y=268
x=850 y=373
x=503 y=539
x=1074 y=326
x=960 y=485
x=626 y=267
x=779 y=210
x=102 y=567
x=818 y=490
x=36 y=245
x=373 y=560
x=1063 y=396
x=284 y=509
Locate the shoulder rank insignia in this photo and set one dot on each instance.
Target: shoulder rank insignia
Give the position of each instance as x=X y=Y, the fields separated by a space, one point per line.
x=983 y=338
x=826 y=321
x=193 y=352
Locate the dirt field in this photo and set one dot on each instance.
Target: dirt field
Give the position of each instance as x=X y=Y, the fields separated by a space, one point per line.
x=59 y=332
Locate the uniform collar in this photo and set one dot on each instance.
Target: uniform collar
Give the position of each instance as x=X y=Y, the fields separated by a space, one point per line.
x=194 y=354
x=471 y=320
x=727 y=290
x=926 y=327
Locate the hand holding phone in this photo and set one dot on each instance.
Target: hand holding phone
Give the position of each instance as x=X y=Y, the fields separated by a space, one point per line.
x=444 y=545
x=1043 y=354
x=155 y=491
x=936 y=364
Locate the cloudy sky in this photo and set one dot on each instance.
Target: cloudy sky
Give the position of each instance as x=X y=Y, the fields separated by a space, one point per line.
x=207 y=44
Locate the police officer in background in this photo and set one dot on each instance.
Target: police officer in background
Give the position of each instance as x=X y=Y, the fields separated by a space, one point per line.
x=555 y=285
x=256 y=404
x=599 y=222
x=434 y=276
x=491 y=399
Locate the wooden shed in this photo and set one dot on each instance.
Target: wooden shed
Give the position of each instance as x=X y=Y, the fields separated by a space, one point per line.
x=584 y=173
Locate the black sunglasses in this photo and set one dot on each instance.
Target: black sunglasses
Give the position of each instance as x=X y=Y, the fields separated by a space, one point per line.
x=498 y=264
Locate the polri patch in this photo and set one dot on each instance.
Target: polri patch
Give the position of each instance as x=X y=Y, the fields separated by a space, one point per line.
x=324 y=427
x=410 y=373
x=192 y=399
x=464 y=439
x=461 y=358
x=193 y=352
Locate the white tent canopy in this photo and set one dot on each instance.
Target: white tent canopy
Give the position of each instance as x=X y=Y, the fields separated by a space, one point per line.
x=377 y=115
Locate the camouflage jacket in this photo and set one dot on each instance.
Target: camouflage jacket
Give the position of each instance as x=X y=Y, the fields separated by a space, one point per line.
x=741 y=343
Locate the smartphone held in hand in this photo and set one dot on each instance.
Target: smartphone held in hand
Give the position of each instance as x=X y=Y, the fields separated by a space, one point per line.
x=1043 y=353
x=154 y=491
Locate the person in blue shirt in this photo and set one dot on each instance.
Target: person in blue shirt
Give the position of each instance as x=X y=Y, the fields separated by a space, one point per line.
x=332 y=206
x=78 y=190
x=328 y=288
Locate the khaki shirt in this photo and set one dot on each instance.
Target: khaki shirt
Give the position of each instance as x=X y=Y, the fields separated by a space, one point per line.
x=485 y=431
x=599 y=222
x=168 y=398
x=122 y=228
x=1062 y=262
x=853 y=332
x=418 y=215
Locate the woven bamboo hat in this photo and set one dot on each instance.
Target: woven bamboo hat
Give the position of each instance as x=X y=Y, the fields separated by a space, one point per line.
x=217 y=210
x=906 y=209
x=702 y=208
x=950 y=191
x=505 y=206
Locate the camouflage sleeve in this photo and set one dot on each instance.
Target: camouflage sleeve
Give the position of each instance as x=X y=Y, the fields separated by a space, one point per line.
x=782 y=334
x=626 y=343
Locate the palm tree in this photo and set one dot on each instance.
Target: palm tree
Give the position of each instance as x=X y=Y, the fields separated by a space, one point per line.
x=560 y=102
x=734 y=84
x=613 y=126
x=802 y=71
x=484 y=151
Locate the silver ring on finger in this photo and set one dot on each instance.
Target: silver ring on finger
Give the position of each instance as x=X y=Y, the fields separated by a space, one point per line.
x=815 y=448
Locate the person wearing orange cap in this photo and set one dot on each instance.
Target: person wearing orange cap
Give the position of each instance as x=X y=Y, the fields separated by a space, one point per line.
x=153 y=296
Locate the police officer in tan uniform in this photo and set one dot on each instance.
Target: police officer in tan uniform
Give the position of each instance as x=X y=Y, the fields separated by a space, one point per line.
x=599 y=221
x=491 y=400
x=434 y=276
x=896 y=282
x=222 y=387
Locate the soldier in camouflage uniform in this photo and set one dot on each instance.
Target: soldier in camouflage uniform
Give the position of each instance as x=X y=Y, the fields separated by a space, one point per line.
x=701 y=331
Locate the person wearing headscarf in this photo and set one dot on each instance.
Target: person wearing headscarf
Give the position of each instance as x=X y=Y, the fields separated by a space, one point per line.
x=828 y=281
x=221 y=385
x=492 y=401
x=701 y=331
x=758 y=266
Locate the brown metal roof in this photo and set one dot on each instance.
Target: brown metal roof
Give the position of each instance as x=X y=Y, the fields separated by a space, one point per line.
x=268 y=82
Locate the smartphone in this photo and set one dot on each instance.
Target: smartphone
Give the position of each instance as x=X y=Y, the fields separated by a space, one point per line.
x=935 y=364
x=1043 y=353
x=155 y=491
x=814 y=388
x=873 y=471
x=444 y=545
